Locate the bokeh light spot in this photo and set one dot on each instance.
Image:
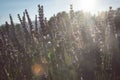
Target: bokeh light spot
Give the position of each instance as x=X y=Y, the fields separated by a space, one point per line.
x=37 y=69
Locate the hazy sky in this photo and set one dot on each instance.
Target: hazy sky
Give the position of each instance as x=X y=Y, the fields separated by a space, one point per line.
x=50 y=7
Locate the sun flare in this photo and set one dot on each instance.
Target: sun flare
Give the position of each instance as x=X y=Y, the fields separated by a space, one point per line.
x=88 y=5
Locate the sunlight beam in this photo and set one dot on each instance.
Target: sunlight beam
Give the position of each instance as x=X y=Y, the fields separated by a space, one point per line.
x=87 y=5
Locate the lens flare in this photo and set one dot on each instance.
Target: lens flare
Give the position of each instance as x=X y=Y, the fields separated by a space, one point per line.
x=37 y=69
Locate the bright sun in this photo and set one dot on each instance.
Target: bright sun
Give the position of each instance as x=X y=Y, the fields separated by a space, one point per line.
x=88 y=5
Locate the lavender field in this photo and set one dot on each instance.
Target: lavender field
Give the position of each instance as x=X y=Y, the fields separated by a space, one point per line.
x=74 y=45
